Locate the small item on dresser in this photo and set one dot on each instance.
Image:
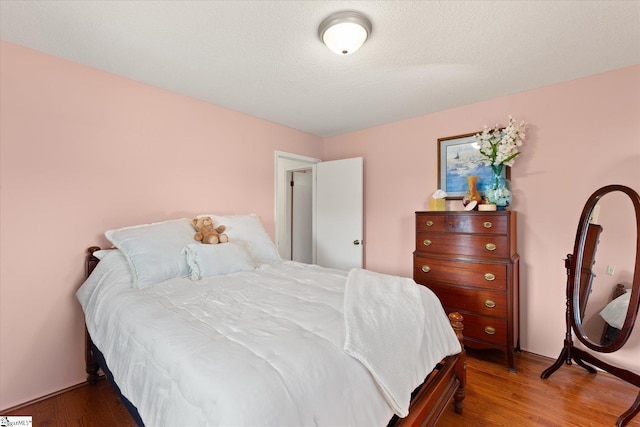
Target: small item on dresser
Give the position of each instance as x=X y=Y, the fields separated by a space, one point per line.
x=471 y=205
x=472 y=194
x=437 y=201
x=487 y=207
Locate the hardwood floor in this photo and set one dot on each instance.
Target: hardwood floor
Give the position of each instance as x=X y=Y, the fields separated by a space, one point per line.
x=495 y=397
x=96 y=405
x=570 y=397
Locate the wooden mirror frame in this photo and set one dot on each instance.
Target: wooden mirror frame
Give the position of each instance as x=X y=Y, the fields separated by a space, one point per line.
x=577 y=295
x=578 y=292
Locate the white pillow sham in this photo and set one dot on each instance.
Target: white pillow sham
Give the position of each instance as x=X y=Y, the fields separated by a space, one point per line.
x=101 y=253
x=112 y=270
x=249 y=230
x=214 y=260
x=154 y=251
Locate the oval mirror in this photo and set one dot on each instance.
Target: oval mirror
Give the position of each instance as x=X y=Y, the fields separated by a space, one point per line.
x=605 y=267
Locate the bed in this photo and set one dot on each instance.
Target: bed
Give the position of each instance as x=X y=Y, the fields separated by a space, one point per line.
x=230 y=334
x=614 y=313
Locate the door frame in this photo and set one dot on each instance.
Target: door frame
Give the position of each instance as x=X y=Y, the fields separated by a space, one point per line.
x=285 y=163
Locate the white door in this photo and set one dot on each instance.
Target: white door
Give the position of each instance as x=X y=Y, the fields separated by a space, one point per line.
x=339 y=213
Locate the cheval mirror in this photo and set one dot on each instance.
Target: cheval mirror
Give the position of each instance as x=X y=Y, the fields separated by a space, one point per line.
x=603 y=298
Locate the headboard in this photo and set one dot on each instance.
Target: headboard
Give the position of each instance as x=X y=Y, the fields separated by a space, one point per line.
x=92 y=261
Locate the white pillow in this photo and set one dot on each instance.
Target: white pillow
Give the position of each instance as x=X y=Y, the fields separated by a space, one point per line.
x=101 y=253
x=616 y=311
x=213 y=260
x=113 y=271
x=249 y=230
x=154 y=251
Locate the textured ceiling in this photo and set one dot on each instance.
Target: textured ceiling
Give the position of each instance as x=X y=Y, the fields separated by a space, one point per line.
x=264 y=58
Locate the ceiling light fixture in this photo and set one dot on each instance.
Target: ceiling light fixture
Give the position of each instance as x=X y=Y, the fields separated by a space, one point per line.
x=344 y=32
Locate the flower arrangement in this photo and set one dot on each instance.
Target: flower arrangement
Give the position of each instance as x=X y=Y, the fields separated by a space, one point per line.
x=499 y=147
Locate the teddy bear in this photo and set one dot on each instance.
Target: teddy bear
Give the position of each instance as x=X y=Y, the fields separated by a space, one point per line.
x=207 y=233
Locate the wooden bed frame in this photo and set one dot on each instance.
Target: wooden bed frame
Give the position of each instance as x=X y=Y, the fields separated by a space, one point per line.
x=429 y=400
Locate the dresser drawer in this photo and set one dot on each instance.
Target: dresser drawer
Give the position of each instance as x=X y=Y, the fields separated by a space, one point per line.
x=490 y=276
x=468 y=223
x=480 y=223
x=495 y=246
x=430 y=222
x=476 y=301
x=481 y=328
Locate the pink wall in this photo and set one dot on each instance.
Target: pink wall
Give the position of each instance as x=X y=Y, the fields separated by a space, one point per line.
x=583 y=134
x=84 y=151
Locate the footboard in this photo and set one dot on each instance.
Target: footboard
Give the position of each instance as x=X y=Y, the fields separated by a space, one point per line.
x=448 y=380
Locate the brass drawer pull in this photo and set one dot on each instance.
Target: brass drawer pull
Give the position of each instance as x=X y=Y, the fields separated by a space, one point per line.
x=490 y=246
x=489 y=277
x=427 y=242
x=426 y=268
x=489 y=304
x=487 y=224
x=489 y=330
x=429 y=223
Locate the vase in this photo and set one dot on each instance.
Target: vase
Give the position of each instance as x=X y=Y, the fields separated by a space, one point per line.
x=472 y=192
x=498 y=189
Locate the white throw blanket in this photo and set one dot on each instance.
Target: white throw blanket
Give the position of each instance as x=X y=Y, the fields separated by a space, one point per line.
x=378 y=305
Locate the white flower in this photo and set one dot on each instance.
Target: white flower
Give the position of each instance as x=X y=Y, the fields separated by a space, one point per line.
x=500 y=146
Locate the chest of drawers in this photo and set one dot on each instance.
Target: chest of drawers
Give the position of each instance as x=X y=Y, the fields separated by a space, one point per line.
x=470 y=261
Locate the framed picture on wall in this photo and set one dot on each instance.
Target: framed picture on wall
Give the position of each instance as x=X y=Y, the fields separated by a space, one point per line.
x=458 y=158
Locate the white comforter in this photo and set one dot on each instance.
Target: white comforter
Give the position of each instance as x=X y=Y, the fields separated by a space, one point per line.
x=263 y=348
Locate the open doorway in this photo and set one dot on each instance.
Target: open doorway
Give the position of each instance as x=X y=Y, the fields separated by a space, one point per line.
x=300 y=215
x=335 y=204
x=290 y=241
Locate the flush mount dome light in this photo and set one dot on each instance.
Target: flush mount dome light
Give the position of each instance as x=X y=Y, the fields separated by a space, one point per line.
x=344 y=32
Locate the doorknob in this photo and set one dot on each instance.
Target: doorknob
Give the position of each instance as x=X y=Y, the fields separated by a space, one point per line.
x=356 y=242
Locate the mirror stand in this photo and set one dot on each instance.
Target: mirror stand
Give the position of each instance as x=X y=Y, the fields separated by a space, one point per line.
x=571 y=353
x=621 y=231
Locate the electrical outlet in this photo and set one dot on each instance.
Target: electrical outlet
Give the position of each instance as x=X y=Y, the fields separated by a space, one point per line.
x=611 y=269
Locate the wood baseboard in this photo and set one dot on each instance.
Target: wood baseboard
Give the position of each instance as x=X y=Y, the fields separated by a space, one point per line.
x=45 y=397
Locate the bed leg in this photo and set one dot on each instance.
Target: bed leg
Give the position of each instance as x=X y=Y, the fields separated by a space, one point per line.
x=458 y=400
x=461 y=373
x=461 y=365
x=91 y=366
